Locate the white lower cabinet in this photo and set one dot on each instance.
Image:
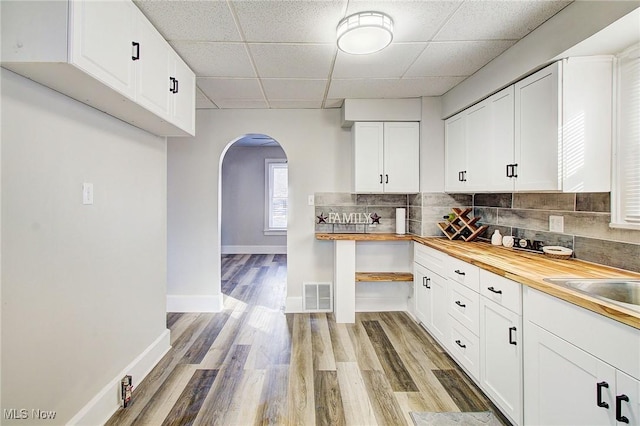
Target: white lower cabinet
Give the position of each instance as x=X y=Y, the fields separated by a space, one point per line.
x=501 y=357
x=431 y=302
x=579 y=367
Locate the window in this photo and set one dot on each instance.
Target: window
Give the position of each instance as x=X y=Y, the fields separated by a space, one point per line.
x=625 y=193
x=276 y=196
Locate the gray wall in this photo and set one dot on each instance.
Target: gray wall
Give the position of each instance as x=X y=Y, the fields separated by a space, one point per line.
x=243 y=198
x=83 y=287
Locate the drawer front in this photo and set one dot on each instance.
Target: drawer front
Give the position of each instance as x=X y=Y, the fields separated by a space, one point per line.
x=430 y=258
x=464 y=273
x=501 y=290
x=464 y=347
x=464 y=306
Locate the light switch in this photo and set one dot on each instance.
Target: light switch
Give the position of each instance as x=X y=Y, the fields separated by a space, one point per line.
x=311 y=200
x=87 y=193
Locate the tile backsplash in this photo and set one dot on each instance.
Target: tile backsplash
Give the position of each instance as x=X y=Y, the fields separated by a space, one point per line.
x=586 y=224
x=523 y=215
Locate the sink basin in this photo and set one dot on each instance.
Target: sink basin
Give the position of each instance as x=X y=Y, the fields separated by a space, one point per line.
x=622 y=290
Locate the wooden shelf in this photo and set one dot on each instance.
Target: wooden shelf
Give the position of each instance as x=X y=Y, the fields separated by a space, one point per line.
x=384 y=276
x=461 y=226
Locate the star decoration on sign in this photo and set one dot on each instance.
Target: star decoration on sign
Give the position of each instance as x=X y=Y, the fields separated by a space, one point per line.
x=375 y=219
x=322 y=218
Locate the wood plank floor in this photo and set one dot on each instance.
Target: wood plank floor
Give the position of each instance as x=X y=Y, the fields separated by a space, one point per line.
x=252 y=364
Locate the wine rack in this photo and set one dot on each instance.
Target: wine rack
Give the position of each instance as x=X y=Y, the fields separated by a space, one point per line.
x=461 y=226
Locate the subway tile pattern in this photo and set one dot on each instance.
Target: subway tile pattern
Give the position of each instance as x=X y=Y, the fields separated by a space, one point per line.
x=384 y=205
x=586 y=224
x=523 y=215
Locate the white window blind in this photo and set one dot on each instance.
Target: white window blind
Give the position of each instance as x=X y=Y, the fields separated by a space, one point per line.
x=626 y=189
x=276 y=195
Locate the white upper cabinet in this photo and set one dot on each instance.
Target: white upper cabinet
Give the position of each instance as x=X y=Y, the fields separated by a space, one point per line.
x=100 y=42
x=386 y=157
x=479 y=145
x=538 y=143
x=455 y=153
x=551 y=131
x=105 y=54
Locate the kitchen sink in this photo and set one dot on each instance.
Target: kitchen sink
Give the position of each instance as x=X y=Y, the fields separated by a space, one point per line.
x=617 y=290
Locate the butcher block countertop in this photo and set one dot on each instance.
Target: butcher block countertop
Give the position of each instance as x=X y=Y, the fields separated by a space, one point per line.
x=526 y=268
x=531 y=268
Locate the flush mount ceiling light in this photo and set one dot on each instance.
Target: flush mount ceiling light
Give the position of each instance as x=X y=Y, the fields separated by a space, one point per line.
x=365 y=32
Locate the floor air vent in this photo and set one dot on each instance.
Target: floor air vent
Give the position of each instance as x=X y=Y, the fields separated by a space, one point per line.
x=317 y=297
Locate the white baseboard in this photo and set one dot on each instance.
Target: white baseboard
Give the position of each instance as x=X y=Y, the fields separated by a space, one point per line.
x=106 y=402
x=253 y=249
x=293 y=305
x=188 y=303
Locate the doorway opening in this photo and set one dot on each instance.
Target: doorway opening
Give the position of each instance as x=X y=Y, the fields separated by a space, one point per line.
x=253 y=213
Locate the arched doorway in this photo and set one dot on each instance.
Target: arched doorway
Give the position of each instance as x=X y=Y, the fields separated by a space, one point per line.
x=253 y=207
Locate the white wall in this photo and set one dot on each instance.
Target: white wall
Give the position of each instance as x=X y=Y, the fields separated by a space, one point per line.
x=83 y=287
x=431 y=146
x=319 y=156
x=570 y=26
x=243 y=200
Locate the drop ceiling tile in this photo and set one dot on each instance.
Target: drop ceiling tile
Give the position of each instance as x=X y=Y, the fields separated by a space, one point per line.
x=333 y=103
x=295 y=104
x=202 y=102
x=290 y=21
x=413 y=20
x=498 y=20
x=225 y=88
x=215 y=59
x=293 y=60
x=242 y=103
x=292 y=89
x=456 y=58
x=391 y=88
x=391 y=62
x=191 y=20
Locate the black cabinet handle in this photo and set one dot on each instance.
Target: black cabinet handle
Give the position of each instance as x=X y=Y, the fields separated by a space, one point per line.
x=514 y=170
x=177 y=86
x=464 y=176
x=619 y=416
x=459 y=303
x=387 y=181
x=425 y=282
x=494 y=290
x=460 y=177
x=599 y=401
x=171 y=84
x=459 y=343
x=512 y=340
x=380 y=178
x=457 y=271
x=136 y=46
x=508 y=170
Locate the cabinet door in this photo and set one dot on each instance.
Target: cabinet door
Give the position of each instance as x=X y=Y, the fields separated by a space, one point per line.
x=628 y=393
x=368 y=156
x=537 y=131
x=152 y=69
x=562 y=382
x=438 y=313
x=184 y=97
x=422 y=292
x=477 y=147
x=501 y=357
x=501 y=144
x=455 y=153
x=101 y=37
x=402 y=157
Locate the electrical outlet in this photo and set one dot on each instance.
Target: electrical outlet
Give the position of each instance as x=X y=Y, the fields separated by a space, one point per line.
x=87 y=193
x=556 y=223
x=311 y=201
